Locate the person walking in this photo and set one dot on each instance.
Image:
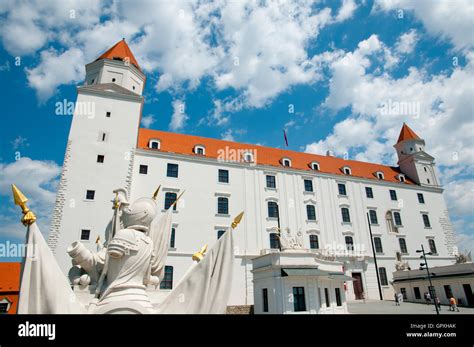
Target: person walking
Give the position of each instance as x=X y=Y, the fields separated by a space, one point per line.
x=438 y=302
x=397 y=303
x=400 y=298
x=428 y=298
x=453 y=304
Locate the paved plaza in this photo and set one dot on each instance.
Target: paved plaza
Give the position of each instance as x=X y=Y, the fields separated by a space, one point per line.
x=389 y=307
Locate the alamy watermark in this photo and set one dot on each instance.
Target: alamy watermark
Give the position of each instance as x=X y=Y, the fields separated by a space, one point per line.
x=78 y=108
x=400 y=108
x=228 y=154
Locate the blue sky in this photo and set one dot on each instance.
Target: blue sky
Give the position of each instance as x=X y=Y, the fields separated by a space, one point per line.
x=239 y=68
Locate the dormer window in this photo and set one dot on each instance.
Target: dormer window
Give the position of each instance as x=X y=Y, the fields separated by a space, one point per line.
x=199 y=150
x=314 y=166
x=401 y=178
x=154 y=144
x=248 y=157
x=286 y=162
x=347 y=170
x=379 y=175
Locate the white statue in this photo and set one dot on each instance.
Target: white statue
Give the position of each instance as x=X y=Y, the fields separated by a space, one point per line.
x=290 y=241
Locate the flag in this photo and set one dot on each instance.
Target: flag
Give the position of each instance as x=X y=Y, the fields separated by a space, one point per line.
x=205 y=289
x=160 y=233
x=44 y=288
x=286 y=138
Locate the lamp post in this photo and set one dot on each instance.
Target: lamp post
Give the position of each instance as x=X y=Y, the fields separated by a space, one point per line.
x=375 y=258
x=423 y=256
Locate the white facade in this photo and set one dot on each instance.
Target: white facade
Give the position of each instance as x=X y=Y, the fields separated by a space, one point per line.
x=196 y=220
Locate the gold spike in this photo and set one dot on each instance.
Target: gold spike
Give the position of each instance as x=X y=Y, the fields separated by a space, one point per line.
x=20 y=200
x=237 y=220
x=156 y=192
x=199 y=255
x=179 y=197
x=97 y=240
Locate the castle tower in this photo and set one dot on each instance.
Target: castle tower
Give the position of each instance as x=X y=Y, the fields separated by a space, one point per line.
x=100 y=150
x=413 y=160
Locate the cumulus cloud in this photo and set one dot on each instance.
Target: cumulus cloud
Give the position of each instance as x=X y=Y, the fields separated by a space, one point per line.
x=450 y=20
x=228 y=135
x=179 y=117
x=407 y=42
x=346 y=11
x=147 y=121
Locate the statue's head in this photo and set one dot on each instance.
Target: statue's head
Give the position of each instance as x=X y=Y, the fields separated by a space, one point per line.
x=140 y=214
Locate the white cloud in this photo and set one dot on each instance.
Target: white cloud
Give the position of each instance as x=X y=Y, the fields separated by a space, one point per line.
x=346 y=11
x=449 y=19
x=228 y=135
x=19 y=142
x=179 y=117
x=147 y=121
x=407 y=42
x=459 y=196
x=38 y=181
x=465 y=242
x=54 y=70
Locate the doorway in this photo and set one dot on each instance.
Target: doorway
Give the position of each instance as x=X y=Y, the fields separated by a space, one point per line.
x=469 y=296
x=358 y=287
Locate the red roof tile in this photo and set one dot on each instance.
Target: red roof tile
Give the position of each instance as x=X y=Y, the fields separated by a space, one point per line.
x=184 y=144
x=407 y=134
x=122 y=51
x=10 y=277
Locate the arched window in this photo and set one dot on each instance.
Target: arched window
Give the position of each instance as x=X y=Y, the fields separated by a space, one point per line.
x=346 y=217
x=220 y=233
x=311 y=212
x=222 y=205
x=167 y=282
x=432 y=245
x=403 y=245
x=200 y=150
x=315 y=166
x=170 y=198
x=397 y=218
x=248 y=157
x=378 y=245
x=347 y=170
x=272 y=209
x=349 y=243
x=274 y=241
x=313 y=242
x=390 y=225
x=286 y=162
x=379 y=175
x=154 y=144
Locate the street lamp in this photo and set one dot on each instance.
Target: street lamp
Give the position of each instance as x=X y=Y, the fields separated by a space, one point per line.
x=375 y=257
x=424 y=266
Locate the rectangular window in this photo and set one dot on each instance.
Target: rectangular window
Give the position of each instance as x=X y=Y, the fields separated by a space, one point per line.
x=421 y=198
x=342 y=189
x=272 y=209
x=346 y=217
x=313 y=242
x=311 y=212
x=373 y=217
x=397 y=218
x=172 y=170
x=265 y=299
x=170 y=198
x=432 y=245
x=143 y=169
x=416 y=291
x=100 y=158
x=271 y=182
x=308 y=185
x=326 y=296
x=426 y=221
x=107 y=114
x=403 y=246
x=369 y=193
x=85 y=234
x=393 y=195
x=223 y=176
x=383 y=276
x=172 y=238
x=338 y=297
x=167 y=282
x=299 y=302
x=378 y=245
x=3 y=307
x=274 y=241
x=222 y=205
x=90 y=194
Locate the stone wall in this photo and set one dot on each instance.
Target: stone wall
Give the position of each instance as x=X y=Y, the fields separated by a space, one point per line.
x=240 y=309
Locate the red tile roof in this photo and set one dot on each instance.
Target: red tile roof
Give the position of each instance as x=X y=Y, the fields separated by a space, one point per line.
x=184 y=144
x=407 y=134
x=122 y=51
x=10 y=277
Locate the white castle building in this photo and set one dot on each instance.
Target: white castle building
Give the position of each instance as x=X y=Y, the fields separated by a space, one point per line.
x=326 y=198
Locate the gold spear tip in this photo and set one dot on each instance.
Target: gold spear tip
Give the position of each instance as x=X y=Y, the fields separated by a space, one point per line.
x=199 y=255
x=97 y=239
x=18 y=196
x=155 y=194
x=237 y=220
